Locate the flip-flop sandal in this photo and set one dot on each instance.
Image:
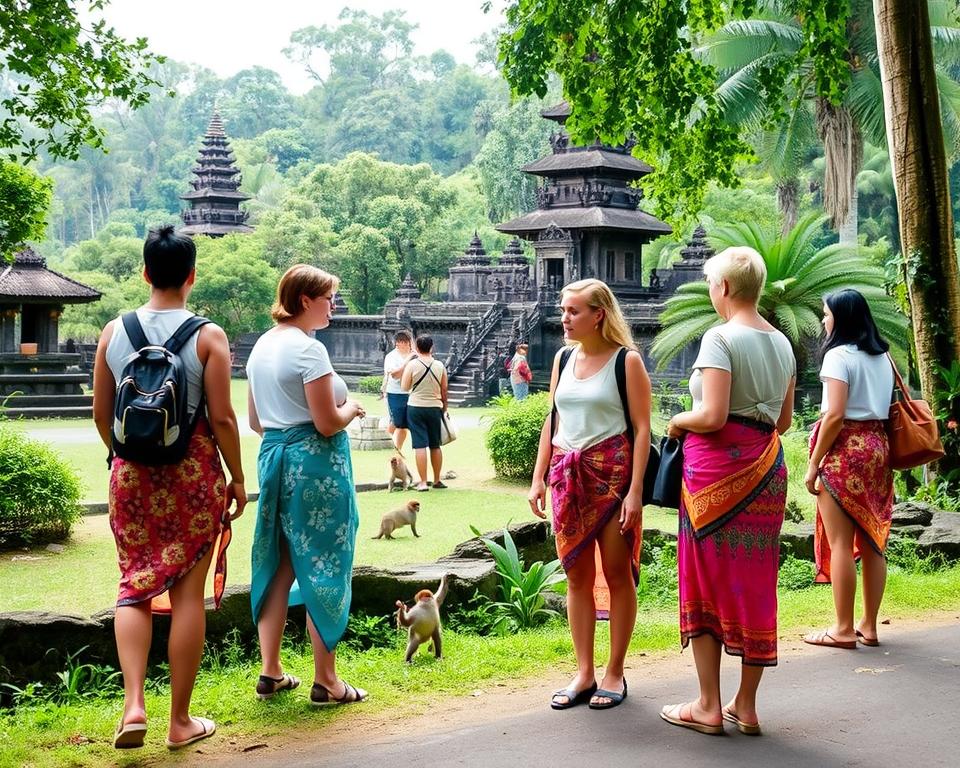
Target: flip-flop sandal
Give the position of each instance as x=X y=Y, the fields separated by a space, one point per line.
x=693 y=725
x=129 y=736
x=616 y=697
x=439 y=485
x=869 y=641
x=209 y=728
x=751 y=729
x=423 y=488
x=573 y=697
x=268 y=687
x=829 y=641
x=321 y=697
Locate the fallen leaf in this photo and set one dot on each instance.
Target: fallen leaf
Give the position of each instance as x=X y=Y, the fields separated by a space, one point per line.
x=872 y=670
x=253 y=747
x=77 y=739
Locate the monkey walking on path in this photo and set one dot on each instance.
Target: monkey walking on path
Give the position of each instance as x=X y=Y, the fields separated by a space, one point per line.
x=397 y=518
x=423 y=619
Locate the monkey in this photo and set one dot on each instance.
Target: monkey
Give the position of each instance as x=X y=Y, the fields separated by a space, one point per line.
x=399 y=473
x=406 y=515
x=423 y=619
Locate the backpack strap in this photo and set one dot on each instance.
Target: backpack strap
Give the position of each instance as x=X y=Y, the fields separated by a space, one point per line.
x=620 y=369
x=180 y=336
x=564 y=359
x=131 y=324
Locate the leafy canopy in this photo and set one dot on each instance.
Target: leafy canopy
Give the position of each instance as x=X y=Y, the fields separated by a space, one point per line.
x=799 y=275
x=24 y=200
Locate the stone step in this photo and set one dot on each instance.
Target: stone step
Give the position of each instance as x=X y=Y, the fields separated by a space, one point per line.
x=69 y=412
x=43 y=378
x=49 y=401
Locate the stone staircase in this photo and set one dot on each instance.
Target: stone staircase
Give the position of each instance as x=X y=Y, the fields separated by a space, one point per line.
x=45 y=395
x=466 y=386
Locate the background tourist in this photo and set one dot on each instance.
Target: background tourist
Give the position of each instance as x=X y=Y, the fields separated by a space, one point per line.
x=734 y=493
x=849 y=470
x=166 y=518
x=393 y=365
x=504 y=360
x=425 y=378
x=520 y=373
x=596 y=483
x=307 y=519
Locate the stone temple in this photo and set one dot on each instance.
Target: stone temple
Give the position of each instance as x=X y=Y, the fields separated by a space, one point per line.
x=587 y=223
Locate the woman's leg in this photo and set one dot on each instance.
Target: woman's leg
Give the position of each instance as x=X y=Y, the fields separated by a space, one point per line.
x=706 y=656
x=582 y=616
x=615 y=556
x=421 y=454
x=436 y=462
x=873 y=571
x=133 y=627
x=324 y=662
x=273 y=615
x=188 y=623
x=843 y=572
x=744 y=704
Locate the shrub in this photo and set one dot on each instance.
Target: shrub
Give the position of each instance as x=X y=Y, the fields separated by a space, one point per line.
x=795 y=574
x=365 y=632
x=475 y=617
x=514 y=435
x=902 y=553
x=370 y=384
x=658 y=576
x=39 y=492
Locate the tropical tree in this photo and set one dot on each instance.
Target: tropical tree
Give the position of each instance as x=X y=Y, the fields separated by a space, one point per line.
x=24 y=202
x=798 y=276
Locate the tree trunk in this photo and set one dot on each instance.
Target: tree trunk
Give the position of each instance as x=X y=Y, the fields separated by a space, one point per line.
x=788 y=196
x=918 y=159
x=842 y=156
x=849 y=227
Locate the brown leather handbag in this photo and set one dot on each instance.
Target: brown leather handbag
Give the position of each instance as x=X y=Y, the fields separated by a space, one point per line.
x=912 y=429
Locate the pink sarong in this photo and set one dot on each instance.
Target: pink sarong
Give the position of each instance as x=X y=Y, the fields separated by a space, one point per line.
x=586 y=490
x=736 y=481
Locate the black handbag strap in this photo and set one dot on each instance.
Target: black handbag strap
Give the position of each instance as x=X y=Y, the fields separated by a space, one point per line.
x=430 y=371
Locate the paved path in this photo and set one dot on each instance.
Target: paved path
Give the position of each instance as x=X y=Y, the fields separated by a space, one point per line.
x=897 y=705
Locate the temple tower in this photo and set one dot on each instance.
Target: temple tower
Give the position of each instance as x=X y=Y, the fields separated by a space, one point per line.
x=216 y=196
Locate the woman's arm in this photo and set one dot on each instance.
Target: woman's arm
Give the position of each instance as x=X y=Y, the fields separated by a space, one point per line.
x=443 y=388
x=213 y=349
x=252 y=416
x=714 y=409
x=328 y=417
x=406 y=378
x=830 y=425
x=104 y=388
x=538 y=486
x=785 y=421
x=638 y=399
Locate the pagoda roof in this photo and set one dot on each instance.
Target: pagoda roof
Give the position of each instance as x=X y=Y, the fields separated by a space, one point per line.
x=594 y=158
x=592 y=217
x=558 y=112
x=214 y=228
x=216 y=193
x=29 y=280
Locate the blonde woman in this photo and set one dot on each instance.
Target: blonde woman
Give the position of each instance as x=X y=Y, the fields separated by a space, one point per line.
x=733 y=495
x=596 y=458
x=307 y=518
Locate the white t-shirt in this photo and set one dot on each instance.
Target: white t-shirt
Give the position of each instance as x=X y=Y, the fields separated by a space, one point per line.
x=281 y=362
x=869 y=380
x=394 y=361
x=761 y=364
x=589 y=410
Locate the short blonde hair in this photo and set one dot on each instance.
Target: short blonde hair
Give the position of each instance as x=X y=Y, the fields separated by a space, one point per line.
x=299 y=281
x=743 y=269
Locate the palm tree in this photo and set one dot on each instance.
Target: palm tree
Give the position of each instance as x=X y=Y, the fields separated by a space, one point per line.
x=742 y=50
x=798 y=276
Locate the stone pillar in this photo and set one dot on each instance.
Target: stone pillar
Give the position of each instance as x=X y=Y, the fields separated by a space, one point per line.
x=48 y=331
x=9 y=330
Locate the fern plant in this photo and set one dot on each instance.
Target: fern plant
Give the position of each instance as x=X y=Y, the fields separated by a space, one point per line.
x=798 y=277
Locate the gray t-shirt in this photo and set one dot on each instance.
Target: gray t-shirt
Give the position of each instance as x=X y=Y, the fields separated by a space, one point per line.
x=761 y=364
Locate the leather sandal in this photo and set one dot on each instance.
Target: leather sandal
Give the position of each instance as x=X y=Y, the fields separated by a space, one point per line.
x=826 y=639
x=688 y=722
x=616 y=697
x=321 y=696
x=869 y=641
x=750 y=729
x=268 y=687
x=129 y=736
x=573 y=696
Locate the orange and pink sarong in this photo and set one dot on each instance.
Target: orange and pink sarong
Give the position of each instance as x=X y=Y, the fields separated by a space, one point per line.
x=731 y=510
x=586 y=490
x=856 y=473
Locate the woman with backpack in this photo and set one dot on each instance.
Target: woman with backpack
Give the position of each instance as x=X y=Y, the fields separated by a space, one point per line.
x=307 y=518
x=425 y=378
x=167 y=514
x=596 y=481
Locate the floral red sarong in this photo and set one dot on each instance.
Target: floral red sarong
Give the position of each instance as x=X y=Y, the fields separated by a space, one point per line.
x=165 y=519
x=735 y=487
x=586 y=490
x=856 y=473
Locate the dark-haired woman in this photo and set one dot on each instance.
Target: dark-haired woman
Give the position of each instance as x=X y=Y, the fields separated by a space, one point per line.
x=849 y=470
x=166 y=519
x=425 y=378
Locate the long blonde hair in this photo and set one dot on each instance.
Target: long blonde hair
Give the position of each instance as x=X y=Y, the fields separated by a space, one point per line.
x=613 y=326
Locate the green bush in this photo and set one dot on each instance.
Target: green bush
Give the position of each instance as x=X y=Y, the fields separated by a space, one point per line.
x=795 y=574
x=658 y=576
x=514 y=435
x=370 y=384
x=39 y=492
x=364 y=631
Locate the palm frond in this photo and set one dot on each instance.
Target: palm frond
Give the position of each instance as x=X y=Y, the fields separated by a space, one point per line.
x=741 y=41
x=864 y=98
x=949 y=92
x=673 y=339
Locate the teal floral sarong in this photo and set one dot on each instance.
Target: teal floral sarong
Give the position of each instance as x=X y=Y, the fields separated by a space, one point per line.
x=307 y=494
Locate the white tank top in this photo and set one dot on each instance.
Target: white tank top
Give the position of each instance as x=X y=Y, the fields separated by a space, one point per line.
x=158 y=326
x=588 y=410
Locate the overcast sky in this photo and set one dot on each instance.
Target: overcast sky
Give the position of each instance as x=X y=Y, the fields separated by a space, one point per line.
x=229 y=36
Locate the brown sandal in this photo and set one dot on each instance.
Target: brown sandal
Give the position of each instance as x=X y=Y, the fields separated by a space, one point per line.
x=321 y=697
x=826 y=639
x=870 y=641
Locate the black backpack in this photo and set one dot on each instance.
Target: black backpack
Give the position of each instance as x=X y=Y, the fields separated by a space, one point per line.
x=150 y=422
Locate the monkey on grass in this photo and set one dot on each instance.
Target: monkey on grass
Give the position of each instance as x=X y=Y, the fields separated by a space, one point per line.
x=397 y=518
x=423 y=619
x=399 y=473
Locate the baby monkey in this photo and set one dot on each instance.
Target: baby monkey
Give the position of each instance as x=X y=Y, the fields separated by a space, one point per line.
x=423 y=619
x=406 y=515
x=399 y=473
